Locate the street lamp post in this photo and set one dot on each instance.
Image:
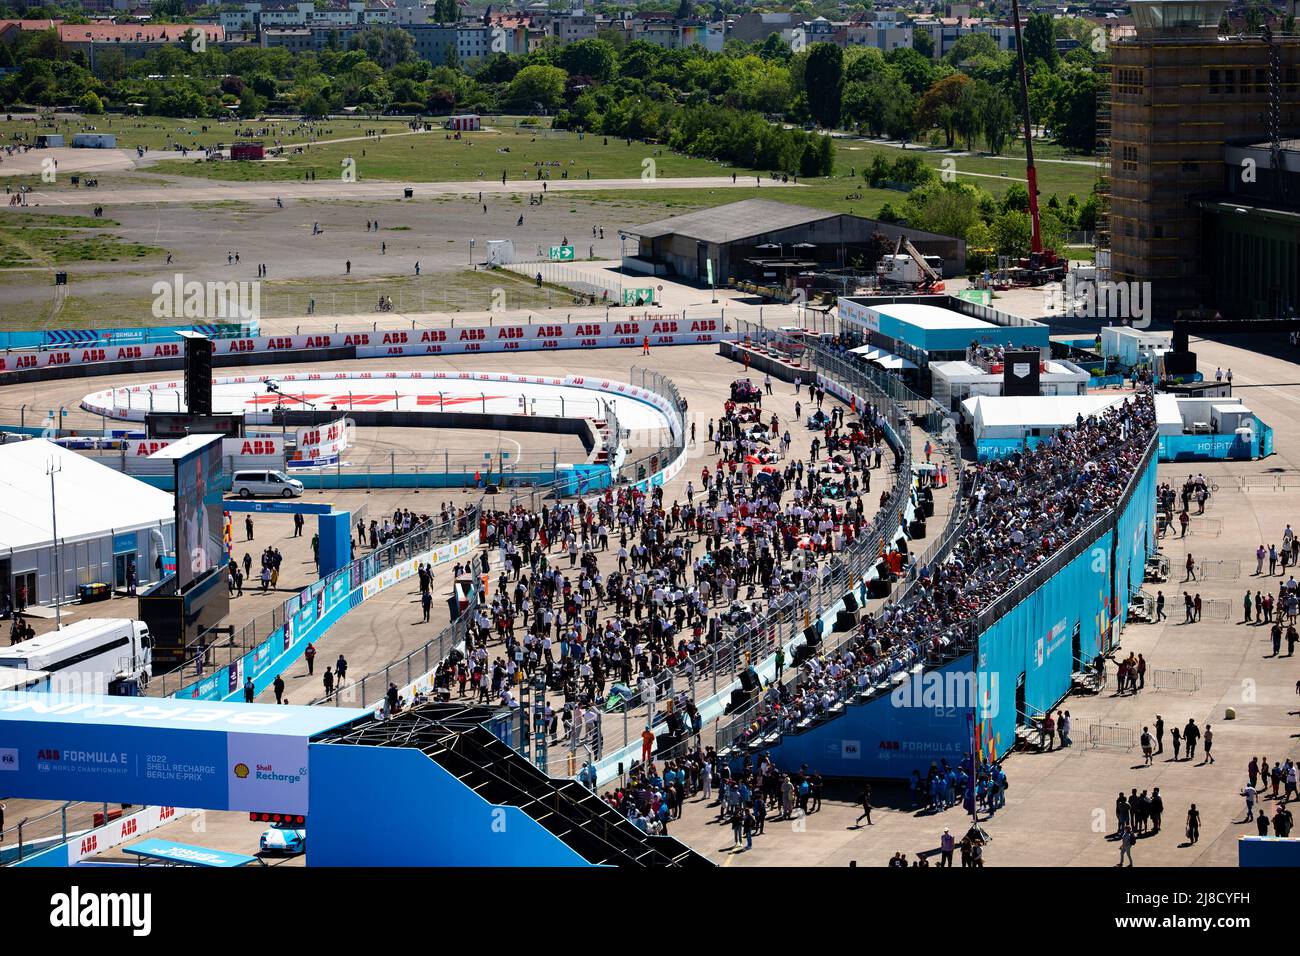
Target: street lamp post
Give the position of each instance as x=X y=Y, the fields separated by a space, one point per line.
x=52 y=469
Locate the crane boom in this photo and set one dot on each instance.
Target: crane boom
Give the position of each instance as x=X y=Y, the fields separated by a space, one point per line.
x=1031 y=174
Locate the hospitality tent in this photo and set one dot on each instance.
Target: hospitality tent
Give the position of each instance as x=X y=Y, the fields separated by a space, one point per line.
x=108 y=523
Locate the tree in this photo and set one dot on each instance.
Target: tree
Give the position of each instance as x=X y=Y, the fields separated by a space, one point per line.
x=999 y=120
x=950 y=209
x=916 y=71
x=922 y=42
x=90 y=104
x=593 y=58
x=1040 y=40
x=387 y=46
x=446 y=11
x=823 y=74
x=315 y=105
x=685 y=10
x=250 y=104
x=970 y=46
x=537 y=87
x=939 y=104
x=1012 y=232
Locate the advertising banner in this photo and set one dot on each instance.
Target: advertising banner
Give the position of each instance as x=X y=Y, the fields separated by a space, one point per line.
x=199 y=524
x=321 y=444
x=162 y=752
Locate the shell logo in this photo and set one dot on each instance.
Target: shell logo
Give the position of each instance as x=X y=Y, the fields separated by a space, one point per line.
x=241 y=770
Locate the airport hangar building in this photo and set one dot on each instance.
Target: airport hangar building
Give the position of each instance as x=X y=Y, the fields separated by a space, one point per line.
x=760 y=240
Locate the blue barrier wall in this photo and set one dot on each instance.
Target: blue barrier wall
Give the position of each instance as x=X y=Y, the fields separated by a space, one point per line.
x=1268 y=851
x=393 y=806
x=889 y=736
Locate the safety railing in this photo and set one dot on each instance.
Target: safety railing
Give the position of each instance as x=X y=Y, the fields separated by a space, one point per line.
x=207 y=652
x=404 y=671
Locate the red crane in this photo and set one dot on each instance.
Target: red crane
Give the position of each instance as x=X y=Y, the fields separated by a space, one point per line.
x=1036 y=240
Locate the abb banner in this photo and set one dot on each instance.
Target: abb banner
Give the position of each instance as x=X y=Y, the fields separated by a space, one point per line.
x=620 y=333
x=271 y=446
x=123 y=830
x=626 y=331
x=321 y=444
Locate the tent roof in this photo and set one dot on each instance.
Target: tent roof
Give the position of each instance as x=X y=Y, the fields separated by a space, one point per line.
x=93 y=499
x=931 y=317
x=1042 y=411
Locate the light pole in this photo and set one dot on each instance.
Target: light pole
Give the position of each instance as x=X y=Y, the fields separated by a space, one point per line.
x=52 y=469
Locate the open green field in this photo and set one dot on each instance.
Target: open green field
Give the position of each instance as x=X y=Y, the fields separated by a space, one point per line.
x=434 y=157
x=459 y=291
x=41 y=241
x=163 y=132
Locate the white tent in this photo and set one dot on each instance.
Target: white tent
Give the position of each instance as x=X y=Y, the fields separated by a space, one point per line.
x=1016 y=417
x=101 y=514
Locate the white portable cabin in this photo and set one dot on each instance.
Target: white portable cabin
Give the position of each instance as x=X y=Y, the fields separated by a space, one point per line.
x=94 y=141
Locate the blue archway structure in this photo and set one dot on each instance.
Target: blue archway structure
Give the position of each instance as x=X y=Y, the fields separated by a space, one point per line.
x=333 y=527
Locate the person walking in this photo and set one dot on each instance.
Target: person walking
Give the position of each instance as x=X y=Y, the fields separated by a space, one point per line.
x=1191 y=569
x=310 y=655
x=1147 y=748
x=1193 y=824
x=1177 y=738
x=328 y=681
x=865 y=800
x=1209 y=743
x=1160 y=606
x=1191 y=734
x=279 y=689
x=249 y=691
x=1126 y=846
x=1248 y=791
x=426 y=602
x=1160 y=734
x=248 y=528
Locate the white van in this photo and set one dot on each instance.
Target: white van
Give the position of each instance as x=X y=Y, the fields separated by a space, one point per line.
x=246 y=484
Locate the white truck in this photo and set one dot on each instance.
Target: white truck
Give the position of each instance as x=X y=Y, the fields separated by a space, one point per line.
x=907 y=267
x=111 y=656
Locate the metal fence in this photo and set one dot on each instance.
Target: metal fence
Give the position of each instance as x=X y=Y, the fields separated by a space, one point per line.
x=1112 y=736
x=1218 y=569
x=209 y=651
x=1185 y=679
x=590 y=287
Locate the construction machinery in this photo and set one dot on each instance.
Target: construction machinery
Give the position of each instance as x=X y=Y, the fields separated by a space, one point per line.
x=1042 y=265
x=907 y=267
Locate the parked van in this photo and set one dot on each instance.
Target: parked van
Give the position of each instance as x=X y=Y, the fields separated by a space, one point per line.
x=246 y=484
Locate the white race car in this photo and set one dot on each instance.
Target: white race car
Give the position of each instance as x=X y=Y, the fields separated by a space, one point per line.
x=285 y=838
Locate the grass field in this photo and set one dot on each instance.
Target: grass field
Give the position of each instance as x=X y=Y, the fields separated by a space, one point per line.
x=462 y=291
x=41 y=241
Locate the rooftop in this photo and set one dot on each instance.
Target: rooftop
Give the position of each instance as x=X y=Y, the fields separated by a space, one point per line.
x=737 y=220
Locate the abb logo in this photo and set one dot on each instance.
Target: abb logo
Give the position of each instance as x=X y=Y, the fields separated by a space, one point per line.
x=627 y=328
x=356 y=340
x=89 y=844
x=147 y=448
x=166 y=813
x=438 y=335
x=705 y=325
x=259 y=447
x=473 y=335
x=587 y=330
x=279 y=343
x=98 y=355
x=394 y=338
x=130 y=826
x=242 y=345
x=660 y=327
x=549 y=331
x=510 y=332
x=317 y=342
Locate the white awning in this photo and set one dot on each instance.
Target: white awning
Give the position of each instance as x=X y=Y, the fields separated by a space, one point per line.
x=888 y=360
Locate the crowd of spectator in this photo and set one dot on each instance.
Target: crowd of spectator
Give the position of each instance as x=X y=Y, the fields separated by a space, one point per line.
x=1022 y=510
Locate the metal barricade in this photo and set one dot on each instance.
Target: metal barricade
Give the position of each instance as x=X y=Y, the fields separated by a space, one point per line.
x=1112 y=736
x=1184 y=679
